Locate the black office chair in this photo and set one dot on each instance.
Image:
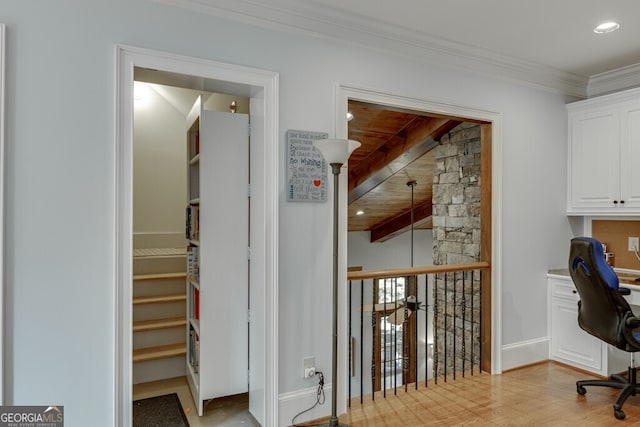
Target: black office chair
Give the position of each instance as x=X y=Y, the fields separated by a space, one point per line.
x=604 y=313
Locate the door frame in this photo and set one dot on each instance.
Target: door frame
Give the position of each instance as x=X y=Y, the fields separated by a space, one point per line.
x=2 y=195
x=343 y=93
x=263 y=88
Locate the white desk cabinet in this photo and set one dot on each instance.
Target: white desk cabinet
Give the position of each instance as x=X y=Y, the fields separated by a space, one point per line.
x=568 y=343
x=604 y=154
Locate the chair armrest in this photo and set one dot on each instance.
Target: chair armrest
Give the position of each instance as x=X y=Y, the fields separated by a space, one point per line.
x=633 y=322
x=624 y=291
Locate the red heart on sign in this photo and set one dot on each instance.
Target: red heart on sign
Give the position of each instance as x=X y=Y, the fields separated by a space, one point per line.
x=317 y=182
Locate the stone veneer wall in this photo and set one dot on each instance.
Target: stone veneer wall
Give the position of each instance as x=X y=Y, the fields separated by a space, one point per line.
x=456 y=239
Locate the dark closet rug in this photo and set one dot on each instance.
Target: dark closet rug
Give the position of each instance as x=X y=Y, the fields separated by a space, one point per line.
x=160 y=411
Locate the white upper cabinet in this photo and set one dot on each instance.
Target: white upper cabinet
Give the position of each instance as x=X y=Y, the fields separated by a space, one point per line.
x=604 y=155
x=630 y=155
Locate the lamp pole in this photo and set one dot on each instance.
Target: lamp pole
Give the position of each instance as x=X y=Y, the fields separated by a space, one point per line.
x=336 y=152
x=333 y=421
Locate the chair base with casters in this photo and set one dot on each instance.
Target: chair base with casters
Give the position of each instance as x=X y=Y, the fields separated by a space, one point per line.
x=628 y=387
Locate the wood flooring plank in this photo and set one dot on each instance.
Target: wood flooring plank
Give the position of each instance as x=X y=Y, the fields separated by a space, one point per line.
x=538 y=395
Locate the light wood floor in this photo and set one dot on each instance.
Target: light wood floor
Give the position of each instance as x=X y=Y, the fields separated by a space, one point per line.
x=539 y=395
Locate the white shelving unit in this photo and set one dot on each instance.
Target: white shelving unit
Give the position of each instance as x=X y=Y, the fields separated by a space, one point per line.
x=217 y=293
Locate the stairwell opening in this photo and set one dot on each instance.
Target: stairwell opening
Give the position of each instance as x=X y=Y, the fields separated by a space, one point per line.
x=479 y=131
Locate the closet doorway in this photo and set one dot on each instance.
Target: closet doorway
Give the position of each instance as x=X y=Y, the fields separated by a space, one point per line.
x=190 y=150
x=260 y=88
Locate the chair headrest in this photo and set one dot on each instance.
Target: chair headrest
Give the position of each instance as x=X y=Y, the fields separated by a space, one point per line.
x=588 y=251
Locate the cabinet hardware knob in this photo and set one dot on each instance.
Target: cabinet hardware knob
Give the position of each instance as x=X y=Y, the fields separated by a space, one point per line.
x=621 y=201
x=574 y=291
x=615 y=202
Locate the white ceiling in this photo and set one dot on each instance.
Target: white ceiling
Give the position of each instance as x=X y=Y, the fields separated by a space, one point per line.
x=555 y=33
x=549 y=43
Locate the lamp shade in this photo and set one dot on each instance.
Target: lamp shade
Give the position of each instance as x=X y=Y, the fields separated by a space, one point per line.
x=336 y=150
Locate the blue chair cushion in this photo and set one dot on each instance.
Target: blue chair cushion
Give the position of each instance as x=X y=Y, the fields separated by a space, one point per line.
x=607 y=273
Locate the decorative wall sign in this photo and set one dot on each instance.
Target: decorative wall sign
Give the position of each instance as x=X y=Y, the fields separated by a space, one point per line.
x=306 y=168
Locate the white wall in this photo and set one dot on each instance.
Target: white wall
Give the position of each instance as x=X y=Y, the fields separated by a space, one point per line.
x=394 y=253
x=159 y=165
x=60 y=184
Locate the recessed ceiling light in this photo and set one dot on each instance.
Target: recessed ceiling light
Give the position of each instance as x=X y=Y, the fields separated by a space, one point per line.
x=606 y=27
x=349 y=116
x=360 y=212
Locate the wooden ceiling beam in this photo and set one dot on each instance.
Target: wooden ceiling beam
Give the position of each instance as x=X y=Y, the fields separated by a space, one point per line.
x=417 y=139
x=408 y=111
x=401 y=223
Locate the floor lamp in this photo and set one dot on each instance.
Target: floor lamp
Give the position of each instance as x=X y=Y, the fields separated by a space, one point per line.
x=336 y=152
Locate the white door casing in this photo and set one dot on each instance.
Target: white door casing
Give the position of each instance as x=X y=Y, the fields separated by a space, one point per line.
x=263 y=91
x=2 y=281
x=342 y=96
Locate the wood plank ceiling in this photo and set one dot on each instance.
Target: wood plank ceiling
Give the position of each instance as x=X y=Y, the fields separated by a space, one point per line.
x=397 y=147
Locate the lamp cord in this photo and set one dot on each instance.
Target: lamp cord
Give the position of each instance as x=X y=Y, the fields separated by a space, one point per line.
x=320 y=398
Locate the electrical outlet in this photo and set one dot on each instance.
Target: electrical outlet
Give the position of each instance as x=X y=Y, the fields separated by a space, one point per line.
x=633 y=244
x=308 y=367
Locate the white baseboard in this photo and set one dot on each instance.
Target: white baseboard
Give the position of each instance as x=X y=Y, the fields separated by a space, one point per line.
x=158 y=239
x=297 y=401
x=525 y=353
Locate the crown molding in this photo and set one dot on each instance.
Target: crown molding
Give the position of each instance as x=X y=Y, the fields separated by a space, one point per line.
x=615 y=80
x=308 y=18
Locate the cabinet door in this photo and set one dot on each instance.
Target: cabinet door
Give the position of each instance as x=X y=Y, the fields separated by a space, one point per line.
x=595 y=158
x=569 y=343
x=630 y=157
